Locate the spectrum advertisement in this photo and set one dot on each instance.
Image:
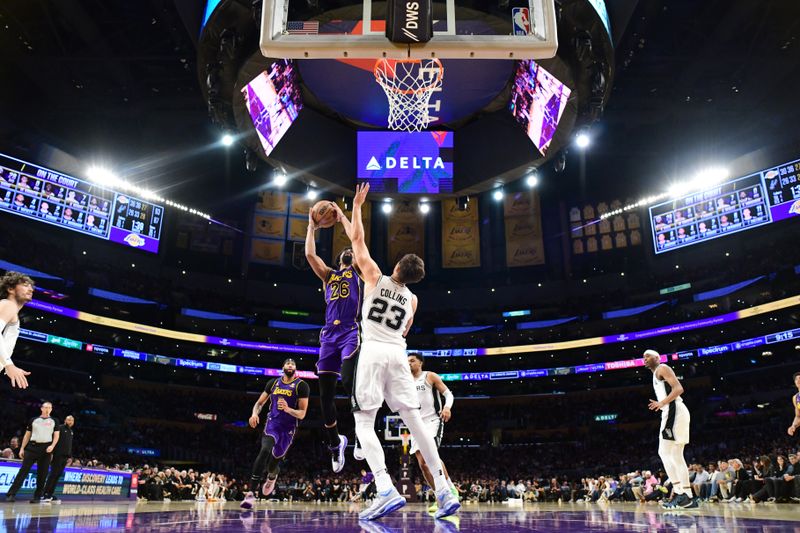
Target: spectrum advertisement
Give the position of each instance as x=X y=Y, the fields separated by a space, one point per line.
x=406 y=162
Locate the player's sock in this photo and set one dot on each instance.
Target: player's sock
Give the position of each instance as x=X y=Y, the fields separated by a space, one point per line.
x=332 y=434
x=383 y=481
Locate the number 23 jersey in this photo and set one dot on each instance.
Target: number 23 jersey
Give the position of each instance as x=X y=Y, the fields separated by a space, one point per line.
x=386 y=312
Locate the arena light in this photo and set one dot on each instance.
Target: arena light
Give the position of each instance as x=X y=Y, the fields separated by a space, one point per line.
x=387 y=206
x=424 y=208
x=227 y=140
x=498 y=194
x=532 y=180
x=312 y=193
x=582 y=140
x=106 y=178
x=280 y=179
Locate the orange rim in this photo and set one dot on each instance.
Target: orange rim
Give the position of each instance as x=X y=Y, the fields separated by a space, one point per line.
x=383 y=61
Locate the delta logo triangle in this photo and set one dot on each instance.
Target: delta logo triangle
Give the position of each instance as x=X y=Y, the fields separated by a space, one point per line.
x=373 y=164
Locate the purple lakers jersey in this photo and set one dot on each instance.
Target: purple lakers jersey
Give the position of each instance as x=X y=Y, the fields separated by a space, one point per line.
x=796 y=402
x=291 y=392
x=343 y=295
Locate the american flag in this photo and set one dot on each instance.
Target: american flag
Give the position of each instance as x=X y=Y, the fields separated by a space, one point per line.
x=310 y=27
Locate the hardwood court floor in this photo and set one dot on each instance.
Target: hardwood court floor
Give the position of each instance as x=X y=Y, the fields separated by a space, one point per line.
x=337 y=518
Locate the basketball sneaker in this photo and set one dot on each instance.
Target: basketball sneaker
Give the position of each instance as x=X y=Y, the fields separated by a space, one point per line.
x=689 y=503
x=358 y=452
x=249 y=501
x=383 y=504
x=269 y=485
x=337 y=458
x=448 y=504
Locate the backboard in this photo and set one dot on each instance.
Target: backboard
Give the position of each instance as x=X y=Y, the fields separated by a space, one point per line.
x=462 y=29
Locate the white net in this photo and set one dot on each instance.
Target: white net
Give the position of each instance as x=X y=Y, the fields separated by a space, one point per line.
x=409 y=84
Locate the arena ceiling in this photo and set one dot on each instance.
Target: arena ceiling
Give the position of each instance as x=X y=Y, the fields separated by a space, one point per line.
x=695 y=82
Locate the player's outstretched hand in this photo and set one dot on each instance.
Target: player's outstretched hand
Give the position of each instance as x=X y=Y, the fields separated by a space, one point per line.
x=361 y=194
x=17 y=376
x=653 y=405
x=253 y=421
x=790 y=431
x=339 y=214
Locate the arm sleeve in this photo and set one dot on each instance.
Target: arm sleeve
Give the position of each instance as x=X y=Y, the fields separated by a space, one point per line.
x=448 y=399
x=270 y=383
x=303 y=390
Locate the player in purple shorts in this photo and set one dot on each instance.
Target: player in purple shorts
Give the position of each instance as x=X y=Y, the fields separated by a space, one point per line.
x=288 y=402
x=340 y=338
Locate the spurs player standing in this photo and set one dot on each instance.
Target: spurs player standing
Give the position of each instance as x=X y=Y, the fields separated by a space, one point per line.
x=435 y=401
x=382 y=369
x=674 y=432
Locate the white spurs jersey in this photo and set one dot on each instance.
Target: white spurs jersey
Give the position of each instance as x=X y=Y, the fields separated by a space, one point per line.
x=430 y=400
x=662 y=390
x=386 y=312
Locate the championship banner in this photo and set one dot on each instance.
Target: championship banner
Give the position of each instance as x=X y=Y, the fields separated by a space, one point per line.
x=267 y=251
x=406 y=232
x=523 y=218
x=340 y=239
x=74 y=483
x=273 y=202
x=269 y=226
x=460 y=235
x=298 y=227
x=299 y=206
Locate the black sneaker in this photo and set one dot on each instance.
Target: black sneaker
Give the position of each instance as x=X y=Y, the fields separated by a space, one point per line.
x=55 y=499
x=689 y=503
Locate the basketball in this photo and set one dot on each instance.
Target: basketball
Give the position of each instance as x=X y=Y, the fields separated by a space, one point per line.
x=324 y=214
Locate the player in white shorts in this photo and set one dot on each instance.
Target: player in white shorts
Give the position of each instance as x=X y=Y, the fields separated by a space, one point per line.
x=436 y=402
x=382 y=369
x=674 y=431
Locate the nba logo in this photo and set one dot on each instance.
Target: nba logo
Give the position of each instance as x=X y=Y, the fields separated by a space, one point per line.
x=521 y=20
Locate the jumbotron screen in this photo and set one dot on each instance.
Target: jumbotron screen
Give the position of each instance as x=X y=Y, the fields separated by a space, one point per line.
x=406 y=162
x=273 y=100
x=48 y=196
x=538 y=100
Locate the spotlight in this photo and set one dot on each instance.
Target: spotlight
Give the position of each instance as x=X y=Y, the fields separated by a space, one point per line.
x=312 y=193
x=532 y=180
x=227 y=139
x=387 y=206
x=498 y=194
x=582 y=140
x=424 y=208
x=102 y=176
x=280 y=179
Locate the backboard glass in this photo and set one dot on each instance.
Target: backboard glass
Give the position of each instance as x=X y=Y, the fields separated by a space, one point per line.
x=465 y=29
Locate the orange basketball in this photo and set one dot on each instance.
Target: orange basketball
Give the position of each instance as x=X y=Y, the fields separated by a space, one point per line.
x=324 y=214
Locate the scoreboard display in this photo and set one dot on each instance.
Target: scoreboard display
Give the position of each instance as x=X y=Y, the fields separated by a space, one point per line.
x=48 y=196
x=731 y=207
x=741 y=204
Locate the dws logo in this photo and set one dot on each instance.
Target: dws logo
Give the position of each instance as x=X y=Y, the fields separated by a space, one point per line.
x=412 y=20
x=425 y=162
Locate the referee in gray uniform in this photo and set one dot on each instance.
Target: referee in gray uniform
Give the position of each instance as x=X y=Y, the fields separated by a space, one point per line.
x=41 y=437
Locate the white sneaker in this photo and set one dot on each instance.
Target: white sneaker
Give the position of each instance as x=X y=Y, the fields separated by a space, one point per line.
x=337 y=460
x=358 y=452
x=249 y=501
x=383 y=504
x=448 y=504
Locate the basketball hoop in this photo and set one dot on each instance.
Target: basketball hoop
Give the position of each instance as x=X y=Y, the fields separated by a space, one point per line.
x=409 y=84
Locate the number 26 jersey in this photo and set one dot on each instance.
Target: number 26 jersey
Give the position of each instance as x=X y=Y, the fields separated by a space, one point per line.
x=386 y=312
